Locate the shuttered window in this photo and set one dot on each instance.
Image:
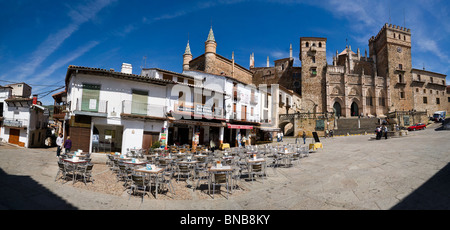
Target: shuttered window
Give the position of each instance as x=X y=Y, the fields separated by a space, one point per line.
x=139 y=102
x=90 y=97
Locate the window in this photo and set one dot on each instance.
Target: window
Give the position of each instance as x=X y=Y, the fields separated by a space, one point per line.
x=180 y=79
x=431 y=91
x=438 y=101
x=139 y=102
x=313 y=59
x=307 y=44
x=448 y=99
x=431 y=79
x=394 y=35
x=320 y=44
x=314 y=71
x=191 y=82
x=418 y=77
x=417 y=90
x=402 y=95
x=400 y=78
x=400 y=66
x=425 y=100
x=167 y=77
x=424 y=90
x=90 y=97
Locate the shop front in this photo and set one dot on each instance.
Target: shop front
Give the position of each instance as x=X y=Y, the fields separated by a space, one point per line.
x=195 y=133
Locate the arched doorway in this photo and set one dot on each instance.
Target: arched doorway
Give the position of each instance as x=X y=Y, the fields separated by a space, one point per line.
x=337 y=109
x=354 y=109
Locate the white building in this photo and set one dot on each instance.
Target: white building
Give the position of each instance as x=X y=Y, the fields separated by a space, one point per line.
x=114 y=111
x=23 y=120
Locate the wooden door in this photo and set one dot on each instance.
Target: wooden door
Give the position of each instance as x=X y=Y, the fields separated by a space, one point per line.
x=149 y=138
x=14 y=135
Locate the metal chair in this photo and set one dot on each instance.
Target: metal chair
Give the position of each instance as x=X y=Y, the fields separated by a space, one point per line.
x=139 y=183
x=85 y=171
x=61 y=170
x=220 y=178
x=184 y=170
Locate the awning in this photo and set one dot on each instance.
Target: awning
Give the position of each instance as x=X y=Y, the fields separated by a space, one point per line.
x=197 y=122
x=231 y=126
x=267 y=129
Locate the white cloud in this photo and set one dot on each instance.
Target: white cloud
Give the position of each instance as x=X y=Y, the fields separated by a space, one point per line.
x=64 y=61
x=80 y=15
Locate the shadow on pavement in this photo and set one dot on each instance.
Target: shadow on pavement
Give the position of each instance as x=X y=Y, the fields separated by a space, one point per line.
x=24 y=193
x=432 y=195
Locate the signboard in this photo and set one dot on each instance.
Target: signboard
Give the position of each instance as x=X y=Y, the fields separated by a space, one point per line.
x=230 y=126
x=316 y=137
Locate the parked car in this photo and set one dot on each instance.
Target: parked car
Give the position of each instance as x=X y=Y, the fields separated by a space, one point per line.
x=417 y=126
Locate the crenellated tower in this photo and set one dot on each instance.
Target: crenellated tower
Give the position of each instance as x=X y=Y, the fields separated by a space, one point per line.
x=391 y=52
x=313 y=55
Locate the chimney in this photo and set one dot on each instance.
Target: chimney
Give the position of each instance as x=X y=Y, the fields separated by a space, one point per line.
x=34 y=99
x=127 y=68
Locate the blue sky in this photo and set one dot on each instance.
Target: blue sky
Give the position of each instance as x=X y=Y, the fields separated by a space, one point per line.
x=40 y=39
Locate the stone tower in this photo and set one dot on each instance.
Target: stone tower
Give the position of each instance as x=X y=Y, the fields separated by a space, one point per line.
x=187 y=57
x=391 y=52
x=314 y=61
x=210 y=52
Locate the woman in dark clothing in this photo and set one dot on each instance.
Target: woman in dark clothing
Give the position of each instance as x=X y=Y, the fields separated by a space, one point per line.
x=68 y=144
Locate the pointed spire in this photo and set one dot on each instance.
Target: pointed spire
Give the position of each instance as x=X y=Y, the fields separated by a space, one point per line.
x=188 y=49
x=211 y=35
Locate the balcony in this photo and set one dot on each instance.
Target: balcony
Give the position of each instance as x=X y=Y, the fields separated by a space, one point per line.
x=59 y=111
x=17 y=123
x=91 y=108
x=207 y=111
x=145 y=110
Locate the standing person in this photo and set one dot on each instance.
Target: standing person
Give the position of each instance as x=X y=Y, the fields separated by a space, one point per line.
x=238 y=139
x=59 y=143
x=385 y=131
x=331 y=133
x=278 y=137
x=378 y=131
x=68 y=144
x=326 y=133
x=244 y=139
x=304 y=138
x=281 y=136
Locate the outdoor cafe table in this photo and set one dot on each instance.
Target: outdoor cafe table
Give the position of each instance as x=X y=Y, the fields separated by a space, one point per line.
x=74 y=162
x=134 y=163
x=155 y=172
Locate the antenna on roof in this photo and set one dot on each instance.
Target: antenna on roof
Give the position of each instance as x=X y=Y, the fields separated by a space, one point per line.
x=144 y=59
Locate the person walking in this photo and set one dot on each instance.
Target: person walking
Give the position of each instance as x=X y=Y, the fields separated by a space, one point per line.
x=68 y=144
x=278 y=137
x=59 y=144
x=304 y=137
